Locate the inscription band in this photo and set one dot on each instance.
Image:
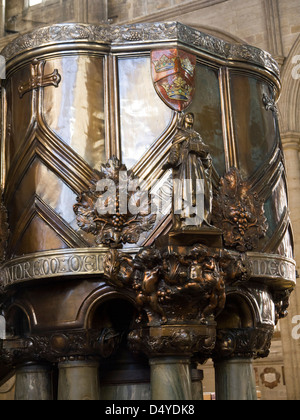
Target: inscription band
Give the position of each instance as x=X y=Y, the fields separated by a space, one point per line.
x=52 y=264
x=74 y=262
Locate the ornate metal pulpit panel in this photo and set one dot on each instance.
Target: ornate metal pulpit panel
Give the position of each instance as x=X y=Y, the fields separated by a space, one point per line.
x=89 y=107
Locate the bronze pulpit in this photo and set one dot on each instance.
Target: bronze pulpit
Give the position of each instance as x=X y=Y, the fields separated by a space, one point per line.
x=144 y=218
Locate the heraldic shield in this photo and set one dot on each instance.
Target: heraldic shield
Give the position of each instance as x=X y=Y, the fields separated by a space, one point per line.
x=173 y=75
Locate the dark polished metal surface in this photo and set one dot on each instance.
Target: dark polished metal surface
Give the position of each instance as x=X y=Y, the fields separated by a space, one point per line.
x=79 y=103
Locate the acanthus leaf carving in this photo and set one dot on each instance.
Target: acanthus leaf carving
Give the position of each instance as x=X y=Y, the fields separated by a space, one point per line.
x=60 y=346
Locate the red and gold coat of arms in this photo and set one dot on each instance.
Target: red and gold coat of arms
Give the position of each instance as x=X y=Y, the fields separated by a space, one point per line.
x=173 y=75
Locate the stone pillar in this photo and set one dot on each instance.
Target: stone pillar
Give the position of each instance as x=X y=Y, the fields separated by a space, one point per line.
x=91 y=11
x=291 y=345
x=34 y=383
x=171 y=379
x=2 y=17
x=126 y=392
x=235 y=380
x=78 y=381
x=197 y=384
x=235 y=350
x=125 y=378
x=291 y=147
x=170 y=349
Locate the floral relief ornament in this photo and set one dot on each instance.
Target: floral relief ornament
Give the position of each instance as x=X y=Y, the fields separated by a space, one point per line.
x=239 y=212
x=112 y=210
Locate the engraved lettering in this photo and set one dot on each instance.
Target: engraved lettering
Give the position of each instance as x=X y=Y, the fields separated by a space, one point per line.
x=90 y=263
x=273 y=266
x=282 y=269
x=27 y=267
x=18 y=272
x=75 y=263
x=54 y=265
x=46 y=267
x=36 y=269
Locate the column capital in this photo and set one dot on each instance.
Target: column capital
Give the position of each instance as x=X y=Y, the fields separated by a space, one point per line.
x=183 y=341
x=61 y=346
x=243 y=343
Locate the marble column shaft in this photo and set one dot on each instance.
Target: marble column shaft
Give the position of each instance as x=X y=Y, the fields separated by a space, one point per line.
x=34 y=383
x=235 y=380
x=171 y=379
x=78 y=381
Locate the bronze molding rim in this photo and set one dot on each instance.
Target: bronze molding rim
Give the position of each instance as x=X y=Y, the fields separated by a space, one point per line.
x=140 y=33
x=55 y=264
x=276 y=271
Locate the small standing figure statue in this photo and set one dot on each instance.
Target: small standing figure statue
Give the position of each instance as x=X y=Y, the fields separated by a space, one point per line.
x=191 y=162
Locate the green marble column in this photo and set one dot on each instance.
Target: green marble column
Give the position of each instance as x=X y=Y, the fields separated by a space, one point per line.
x=34 y=383
x=78 y=381
x=129 y=392
x=197 y=385
x=235 y=380
x=171 y=379
x=125 y=377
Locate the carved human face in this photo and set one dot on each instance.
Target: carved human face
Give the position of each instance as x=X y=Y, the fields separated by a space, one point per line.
x=189 y=120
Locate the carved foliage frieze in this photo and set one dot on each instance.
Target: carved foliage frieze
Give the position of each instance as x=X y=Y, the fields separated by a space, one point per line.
x=140 y=32
x=60 y=346
x=179 y=340
x=243 y=342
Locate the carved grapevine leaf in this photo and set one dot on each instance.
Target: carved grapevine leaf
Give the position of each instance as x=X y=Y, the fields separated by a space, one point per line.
x=101 y=212
x=239 y=213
